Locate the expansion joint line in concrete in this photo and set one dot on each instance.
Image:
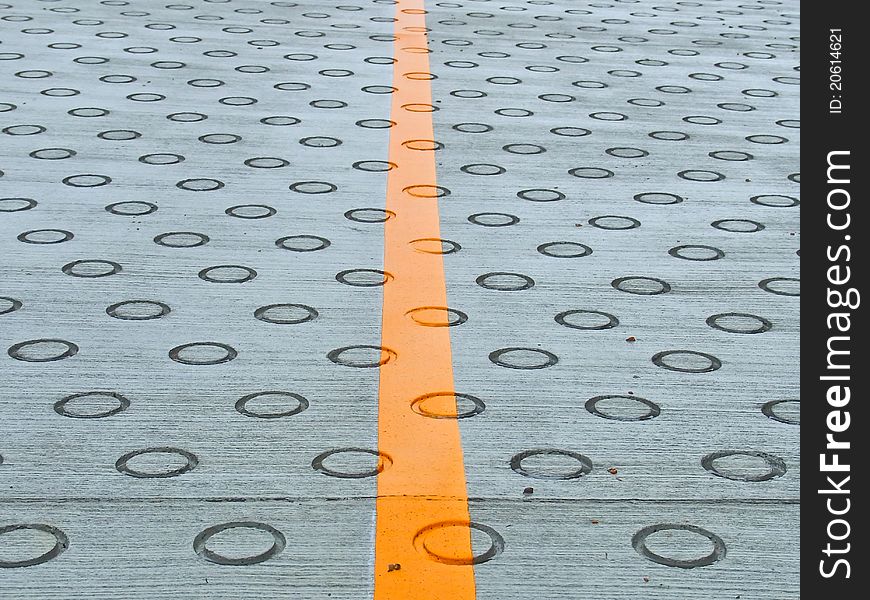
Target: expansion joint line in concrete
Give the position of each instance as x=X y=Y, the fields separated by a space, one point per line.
x=422 y=548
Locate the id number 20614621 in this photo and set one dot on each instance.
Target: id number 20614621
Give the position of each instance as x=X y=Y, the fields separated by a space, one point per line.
x=835 y=71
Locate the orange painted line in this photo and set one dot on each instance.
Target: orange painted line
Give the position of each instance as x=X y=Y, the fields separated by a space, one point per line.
x=422 y=543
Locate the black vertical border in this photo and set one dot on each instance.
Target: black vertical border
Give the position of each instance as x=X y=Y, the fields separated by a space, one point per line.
x=826 y=131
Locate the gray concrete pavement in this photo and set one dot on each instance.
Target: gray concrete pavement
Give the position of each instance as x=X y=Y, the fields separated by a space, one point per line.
x=624 y=189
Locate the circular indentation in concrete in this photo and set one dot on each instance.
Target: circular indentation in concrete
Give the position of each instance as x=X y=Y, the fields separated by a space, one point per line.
x=524 y=149
x=781 y=286
x=227 y=274
x=86 y=180
x=280 y=120
x=591 y=172
x=551 y=463
x=24 y=130
x=669 y=136
x=435 y=246
x=313 y=187
x=784 y=411
x=271 y=404
x=266 y=162
x=351 y=463
x=91 y=268
x=767 y=139
x=361 y=356
x=426 y=191
x=376 y=123
x=570 y=131
x=168 y=64
x=473 y=127
x=505 y=281
x=645 y=102
x=188 y=117
x=320 y=142
x=138 y=310
x=237 y=101
x=91 y=405
x=251 y=211
x=369 y=215
x=286 y=314
x=131 y=208
x=664 y=539
x=219 y=138
x=423 y=145
x=53 y=153
x=447 y=542
x=564 y=249
x=618 y=407
x=203 y=353
x=374 y=166
x=493 y=219
x=157 y=463
x=789 y=123
x=660 y=198
x=181 y=239
x=775 y=201
x=242 y=531
x=696 y=252
x=28 y=537
x=541 y=195
x=437 y=316
x=363 y=277
x=586 y=319
x=731 y=155
x=43 y=350
x=523 y=358
x=614 y=222
x=420 y=108
x=744 y=465
x=559 y=98
x=119 y=135
x=88 y=112
x=733 y=322
x=702 y=120
x=9 y=305
x=700 y=175
x=465 y=93
x=738 y=225
x=202 y=184
x=686 y=361
x=45 y=236
x=10 y=205
x=642 y=286
x=205 y=83
x=514 y=112
x=736 y=106
x=627 y=152
x=447 y=405
x=164 y=158
x=303 y=243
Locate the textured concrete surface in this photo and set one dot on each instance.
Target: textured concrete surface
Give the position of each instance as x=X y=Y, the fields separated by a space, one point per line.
x=159 y=165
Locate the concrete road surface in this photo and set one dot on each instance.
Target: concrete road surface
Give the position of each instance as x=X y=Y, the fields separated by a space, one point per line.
x=360 y=299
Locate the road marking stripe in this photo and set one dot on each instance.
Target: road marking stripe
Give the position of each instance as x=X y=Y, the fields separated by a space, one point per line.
x=422 y=504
